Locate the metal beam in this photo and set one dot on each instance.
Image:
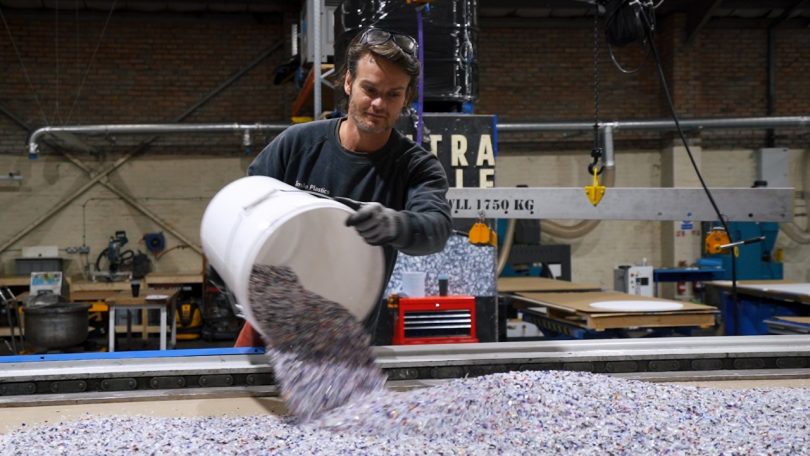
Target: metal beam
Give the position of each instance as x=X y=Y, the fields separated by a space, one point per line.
x=63 y=203
x=207 y=97
x=160 y=6
x=535 y=23
x=756 y=23
x=789 y=13
x=758 y=4
x=137 y=205
x=673 y=204
x=123 y=195
x=14 y=118
x=139 y=149
x=665 y=359
x=662 y=125
x=698 y=16
x=585 y=5
x=140 y=129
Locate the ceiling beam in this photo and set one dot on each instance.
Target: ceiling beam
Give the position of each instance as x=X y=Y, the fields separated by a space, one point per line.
x=789 y=13
x=698 y=16
x=529 y=22
x=508 y=4
x=758 y=4
x=762 y=23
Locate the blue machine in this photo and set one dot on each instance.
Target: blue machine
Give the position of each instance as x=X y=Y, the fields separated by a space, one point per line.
x=528 y=257
x=756 y=261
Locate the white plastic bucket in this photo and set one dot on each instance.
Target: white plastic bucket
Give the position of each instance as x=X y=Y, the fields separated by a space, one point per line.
x=260 y=220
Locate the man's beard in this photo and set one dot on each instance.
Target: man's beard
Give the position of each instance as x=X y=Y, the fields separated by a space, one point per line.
x=364 y=125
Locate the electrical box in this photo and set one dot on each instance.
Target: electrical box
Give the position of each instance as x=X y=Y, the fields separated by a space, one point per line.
x=40 y=251
x=773 y=166
x=46 y=282
x=26 y=266
x=635 y=280
x=306 y=33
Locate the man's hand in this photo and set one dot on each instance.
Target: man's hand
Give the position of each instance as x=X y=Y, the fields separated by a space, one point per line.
x=379 y=225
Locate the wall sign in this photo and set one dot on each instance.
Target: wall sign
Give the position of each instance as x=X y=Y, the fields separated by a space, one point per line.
x=464 y=143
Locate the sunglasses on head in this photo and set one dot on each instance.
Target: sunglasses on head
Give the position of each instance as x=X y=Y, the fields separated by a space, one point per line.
x=379 y=36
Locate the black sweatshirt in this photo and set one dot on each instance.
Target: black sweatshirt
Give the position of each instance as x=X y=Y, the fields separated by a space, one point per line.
x=401 y=176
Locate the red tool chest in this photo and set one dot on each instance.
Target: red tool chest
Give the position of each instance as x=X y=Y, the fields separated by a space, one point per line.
x=435 y=320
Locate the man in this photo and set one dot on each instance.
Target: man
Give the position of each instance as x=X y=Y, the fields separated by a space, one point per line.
x=361 y=156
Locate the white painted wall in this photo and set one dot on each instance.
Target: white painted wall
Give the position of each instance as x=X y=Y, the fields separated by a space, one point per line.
x=624 y=242
x=177 y=188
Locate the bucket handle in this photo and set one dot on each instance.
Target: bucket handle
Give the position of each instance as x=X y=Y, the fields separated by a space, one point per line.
x=352 y=204
x=259 y=200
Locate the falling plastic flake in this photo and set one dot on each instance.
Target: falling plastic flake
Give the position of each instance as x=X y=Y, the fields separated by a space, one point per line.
x=334 y=390
x=320 y=353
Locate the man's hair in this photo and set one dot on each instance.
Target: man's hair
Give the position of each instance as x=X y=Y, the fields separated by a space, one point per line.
x=389 y=51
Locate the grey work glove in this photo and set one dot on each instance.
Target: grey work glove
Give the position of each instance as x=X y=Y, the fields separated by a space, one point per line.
x=379 y=225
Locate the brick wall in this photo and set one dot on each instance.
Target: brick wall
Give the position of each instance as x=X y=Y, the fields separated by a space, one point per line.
x=545 y=73
x=151 y=68
x=147 y=68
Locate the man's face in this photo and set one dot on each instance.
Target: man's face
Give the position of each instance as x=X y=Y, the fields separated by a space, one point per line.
x=376 y=95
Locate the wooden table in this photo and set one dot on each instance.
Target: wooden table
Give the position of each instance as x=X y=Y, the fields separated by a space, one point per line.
x=15 y=281
x=161 y=299
x=575 y=309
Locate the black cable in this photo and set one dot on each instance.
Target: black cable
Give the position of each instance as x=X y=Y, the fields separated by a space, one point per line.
x=648 y=31
x=622 y=28
x=101 y=255
x=596 y=77
x=621 y=67
x=596 y=150
x=126 y=258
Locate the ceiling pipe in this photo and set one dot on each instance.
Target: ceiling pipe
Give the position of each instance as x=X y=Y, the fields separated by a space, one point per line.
x=686 y=124
x=792 y=230
x=137 y=129
x=608 y=129
x=514 y=127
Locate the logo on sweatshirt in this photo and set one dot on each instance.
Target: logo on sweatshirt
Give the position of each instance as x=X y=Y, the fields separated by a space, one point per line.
x=312 y=188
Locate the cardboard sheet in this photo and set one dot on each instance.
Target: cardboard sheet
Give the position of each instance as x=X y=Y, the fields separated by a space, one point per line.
x=800 y=320
x=575 y=309
x=542 y=284
x=581 y=302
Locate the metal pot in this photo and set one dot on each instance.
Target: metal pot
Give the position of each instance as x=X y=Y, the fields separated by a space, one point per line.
x=62 y=325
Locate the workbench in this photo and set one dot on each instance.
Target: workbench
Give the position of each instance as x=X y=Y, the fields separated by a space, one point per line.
x=563 y=309
x=162 y=299
x=757 y=302
x=102 y=294
x=98 y=294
